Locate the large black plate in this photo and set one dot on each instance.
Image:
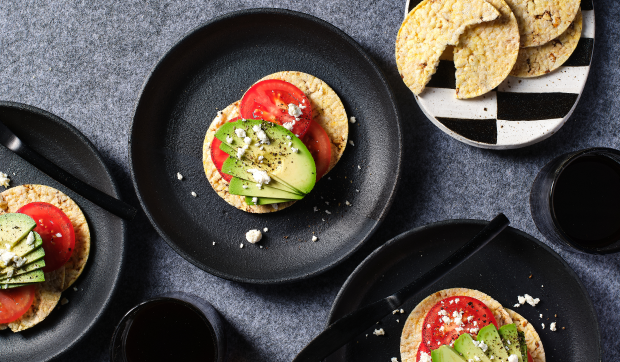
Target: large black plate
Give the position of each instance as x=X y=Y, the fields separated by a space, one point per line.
x=66 y=146
x=502 y=270
x=209 y=69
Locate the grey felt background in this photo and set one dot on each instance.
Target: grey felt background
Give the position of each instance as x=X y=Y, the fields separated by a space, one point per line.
x=86 y=61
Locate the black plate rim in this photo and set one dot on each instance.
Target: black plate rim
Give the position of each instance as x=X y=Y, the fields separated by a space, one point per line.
x=361 y=51
x=452 y=222
x=75 y=132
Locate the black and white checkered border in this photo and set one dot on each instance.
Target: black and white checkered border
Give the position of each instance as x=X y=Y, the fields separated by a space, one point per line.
x=520 y=111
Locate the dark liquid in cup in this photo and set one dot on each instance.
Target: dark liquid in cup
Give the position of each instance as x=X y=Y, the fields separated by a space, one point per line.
x=169 y=331
x=586 y=201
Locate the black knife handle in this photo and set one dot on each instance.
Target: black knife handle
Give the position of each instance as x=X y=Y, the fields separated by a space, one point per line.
x=105 y=201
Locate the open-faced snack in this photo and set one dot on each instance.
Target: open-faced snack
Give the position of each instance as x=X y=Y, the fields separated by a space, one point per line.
x=486 y=53
x=540 y=60
x=460 y=324
x=543 y=20
x=49 y=256
x=296 y=113
x=428 y=29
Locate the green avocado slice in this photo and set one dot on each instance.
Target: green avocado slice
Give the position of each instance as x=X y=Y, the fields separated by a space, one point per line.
x=446 y=354
x=14 y=227
x=492 y=340
x=510 y=337
x=237 y=168
x=241 y=187
x=26 y=268
x=22 y=247
x=465 y=346
x=285 y=157
x=265 y=201
x=26 y=278
x=9 y=286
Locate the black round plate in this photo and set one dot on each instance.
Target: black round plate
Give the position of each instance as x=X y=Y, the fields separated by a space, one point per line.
x=64 y=145
x=208 y=70
x=513 y=264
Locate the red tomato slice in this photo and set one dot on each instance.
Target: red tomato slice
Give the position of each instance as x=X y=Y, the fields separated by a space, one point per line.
x=529 y=357
x=218 y=156
x=15 y=302
x=436 y=332
x=319 y=145
x=56 y=231
x=268 y=100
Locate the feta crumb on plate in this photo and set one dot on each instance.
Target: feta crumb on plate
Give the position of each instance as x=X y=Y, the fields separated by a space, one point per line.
x=253 y=236
x=194 y=194
x=179 y=176
x=543 y=325
x=351 y=143
x=314 y=238
x=327 y=212
x=241 y=246
x=379 y=332
x=352 y=120
x=64 y=301
x=4 y=179
x=552 y=327
x=265 y=229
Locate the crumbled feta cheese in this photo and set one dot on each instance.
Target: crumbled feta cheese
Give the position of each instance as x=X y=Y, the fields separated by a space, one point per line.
x=75 y=289
x=316 y=209
x=483 y=346
x=347 y=203
x=352 y=120
x=288 y=125
x=326 y=202
x=247 y=140
x=259 y=186
x=521 y=299
x=351 y=143
x=179 y=176
x=58 y=235
x=379 y=332
x=356 y=190
x=441 y=328
x=4 y=179
x=517 y=305
x=540 y=316
x=446 y=319
x=294 y=149
x=9 y=273
x=492 y=357
x=7 y=257
x=477 y=358
x=265 y=229
x=327 y=212
x=229 y=140
x=290 y=144
x=241 y=246
x=402 y=311
x=240 y=132
x=240 y=152
x=552 y=327
x=289 y=137
x=253 y=236
x=259 y=176
x=543 y=325
x=214 y=243
x=194 y=194
x=245 y=187
x=470 y=318
x=294 y=110
x=394 y=359
x=30 y=238
x=395 y=311
x=18 y=261
x=425 y=357
x=474 y=330
x=531 y=301
x=64 y=301
x=508 y=341
x=254 y=200
x=358 y=167
x=513 y=358
x=261 y=158
x=314 y=238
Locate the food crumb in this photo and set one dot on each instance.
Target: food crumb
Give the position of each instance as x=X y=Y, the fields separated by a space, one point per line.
x=64 y=301
x=241 y=246
x=253 y=236
x=265 y=229
x=194 y=194
x=314 y=238
x=351 y=143
x=552 y=327
x=327 y=212
x=214 y=243
x=179 y=176
x=379 y=332
x=352 y=120
x=326 y=202
x=402 y=311
x=394 y=359
x=75 y=289
x=543 y=325
x=347 y=203
x=358 y=167
x=4 y=179
x=316 y=209
x=356 y=190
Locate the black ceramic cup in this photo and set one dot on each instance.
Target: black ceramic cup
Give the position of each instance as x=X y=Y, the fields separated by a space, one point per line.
x=572 y=200
x=158 y=330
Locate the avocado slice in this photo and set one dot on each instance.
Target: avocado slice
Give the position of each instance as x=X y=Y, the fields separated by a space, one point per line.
x=14 y=227
x=8 y=286
x=23 y=247
x=465 y=346
x=241 y=187
x=446 y=354
x=26 y=278
x=523 y=345
x=510 y=337
x=26 y=268
x=237 y=168
x=265 y=201
x=285 y=157
x=495 y=347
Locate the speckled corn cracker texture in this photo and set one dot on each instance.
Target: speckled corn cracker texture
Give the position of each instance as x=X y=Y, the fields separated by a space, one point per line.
x=532 y=339
x=411 y=337
x=486 y=53
x=540 y=60
x=543 y=20
x=428 y=29
x=327 y=110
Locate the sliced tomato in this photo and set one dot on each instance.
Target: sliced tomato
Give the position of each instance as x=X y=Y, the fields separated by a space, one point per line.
x=319 y=145
x=14 y=302
x=218 y=156
x=529 y=357
x=269 y=100
x=56 y=231
x=436 y=332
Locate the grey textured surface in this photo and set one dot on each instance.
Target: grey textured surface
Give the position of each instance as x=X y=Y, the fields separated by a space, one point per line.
x=86 y=62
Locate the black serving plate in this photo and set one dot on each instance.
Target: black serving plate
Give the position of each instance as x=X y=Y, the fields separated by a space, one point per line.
x=64 y=145
x=209 y=69
x=513 y=264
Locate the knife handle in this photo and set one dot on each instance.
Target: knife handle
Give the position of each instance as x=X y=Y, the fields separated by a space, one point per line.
x=105 y=201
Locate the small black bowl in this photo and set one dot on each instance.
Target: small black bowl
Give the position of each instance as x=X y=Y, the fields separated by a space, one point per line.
x=201 y=308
